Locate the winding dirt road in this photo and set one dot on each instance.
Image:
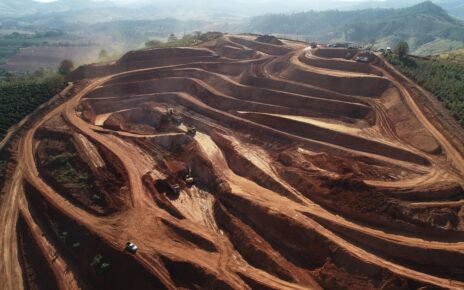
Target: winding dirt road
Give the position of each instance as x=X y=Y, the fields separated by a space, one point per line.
x=311 y=171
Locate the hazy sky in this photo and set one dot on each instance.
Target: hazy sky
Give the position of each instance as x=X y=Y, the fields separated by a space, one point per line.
x=154 y=1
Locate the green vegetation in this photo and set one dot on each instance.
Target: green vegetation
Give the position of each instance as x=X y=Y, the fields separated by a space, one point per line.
x=65 y=173
x=426 y=27
x=402 y=49
x=20 y=95
x=99 y=265
x=66 y=67
x=186 y=40
x=102 y=54
x=2 y=170
x=11 y=43
x=445 y=79
x=173 y=41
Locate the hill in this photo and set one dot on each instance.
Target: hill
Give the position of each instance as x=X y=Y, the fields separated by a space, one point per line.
x=236 y=164
x=454 y=7
x=441 y=75
x=426 y=26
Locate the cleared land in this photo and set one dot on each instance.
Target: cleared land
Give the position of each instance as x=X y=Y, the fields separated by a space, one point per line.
x=312 y=171
x=33 y=58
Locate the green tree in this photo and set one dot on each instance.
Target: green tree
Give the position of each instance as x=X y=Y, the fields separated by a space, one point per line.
x=402 y=49
x=66 y=67
x=103 y=54
x=172 y=38
x=153 y=43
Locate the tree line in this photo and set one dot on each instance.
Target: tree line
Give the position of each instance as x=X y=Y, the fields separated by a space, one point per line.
x=445 y=79
x=20 y=95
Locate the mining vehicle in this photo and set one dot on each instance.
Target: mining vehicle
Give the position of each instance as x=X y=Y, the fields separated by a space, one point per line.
x=131 y=248
x=191 y=130
x=176 y=119
x=174 y=187
x=362 y=59
x=189 y=180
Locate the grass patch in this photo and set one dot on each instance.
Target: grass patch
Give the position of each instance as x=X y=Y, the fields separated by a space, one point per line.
x=456 y=56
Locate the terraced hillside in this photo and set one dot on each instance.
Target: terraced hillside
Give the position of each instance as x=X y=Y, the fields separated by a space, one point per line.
x=311 y=171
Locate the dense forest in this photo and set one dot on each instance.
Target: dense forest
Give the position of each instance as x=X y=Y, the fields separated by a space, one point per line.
x=445 y=79
x=19 y=96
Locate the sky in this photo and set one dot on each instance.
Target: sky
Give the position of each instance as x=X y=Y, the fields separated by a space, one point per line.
x=253 y=7
x=153 y=1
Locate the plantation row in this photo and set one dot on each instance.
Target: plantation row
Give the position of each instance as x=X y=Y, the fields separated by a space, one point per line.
x=20 y=97
x=444 y=79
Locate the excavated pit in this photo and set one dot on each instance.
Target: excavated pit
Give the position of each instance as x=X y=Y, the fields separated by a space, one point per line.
x=245 y=162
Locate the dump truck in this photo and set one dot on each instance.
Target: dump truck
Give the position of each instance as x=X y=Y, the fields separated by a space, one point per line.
x=189 y=180
x=362 y=59
x=174 y=188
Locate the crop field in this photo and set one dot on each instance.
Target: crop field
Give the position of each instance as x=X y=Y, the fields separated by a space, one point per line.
x=30 y=59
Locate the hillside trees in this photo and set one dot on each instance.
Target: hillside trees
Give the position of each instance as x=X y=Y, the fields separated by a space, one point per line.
x=172 y=38
x=66 y=67
x=402 y=49
x=20 y=96
x=102 y=54
x=445 y=79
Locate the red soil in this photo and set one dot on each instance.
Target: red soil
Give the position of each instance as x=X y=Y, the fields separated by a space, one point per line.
x=311 y=171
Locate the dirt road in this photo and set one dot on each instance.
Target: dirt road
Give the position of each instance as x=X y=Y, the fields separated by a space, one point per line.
x=310 y=171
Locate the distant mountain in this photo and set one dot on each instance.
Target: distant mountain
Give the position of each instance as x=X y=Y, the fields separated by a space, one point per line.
x=453 y=7
x=201 y=9
x=427 y=27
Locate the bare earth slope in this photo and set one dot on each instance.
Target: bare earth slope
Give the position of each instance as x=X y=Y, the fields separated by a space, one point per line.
x=311 y=171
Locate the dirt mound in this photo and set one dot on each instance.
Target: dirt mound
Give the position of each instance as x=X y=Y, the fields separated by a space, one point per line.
x=269 y=39
x=244 y=163
x=335 y=53
x=267 y=48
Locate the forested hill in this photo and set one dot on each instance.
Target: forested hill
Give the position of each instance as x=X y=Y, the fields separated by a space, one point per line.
x=427 y=27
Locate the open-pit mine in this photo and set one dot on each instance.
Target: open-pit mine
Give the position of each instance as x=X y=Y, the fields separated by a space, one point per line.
x=244 y=162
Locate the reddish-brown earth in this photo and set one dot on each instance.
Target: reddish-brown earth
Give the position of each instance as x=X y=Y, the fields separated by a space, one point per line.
x=312 y=171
